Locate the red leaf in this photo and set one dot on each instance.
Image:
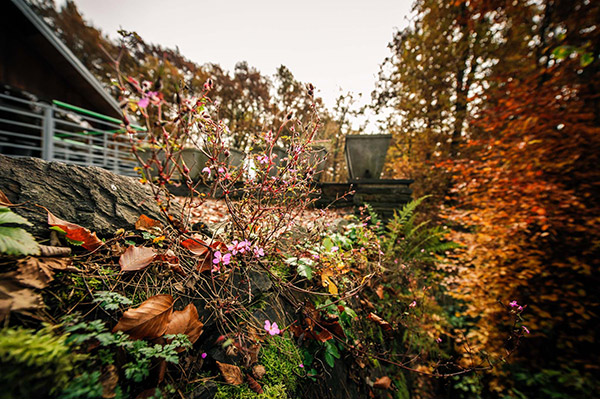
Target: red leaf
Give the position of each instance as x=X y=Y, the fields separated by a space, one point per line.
x=76 y=232
x=136 y=258
x=147 y=224
x=196 y=246
x=149 y=320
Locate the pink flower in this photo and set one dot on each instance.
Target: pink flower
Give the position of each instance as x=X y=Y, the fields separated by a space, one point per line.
x=301 y=365
x=438 y=340
x=259 y=252
x=219 y=258
x=513 y=304
x=204 y=355
x=335 y=248
x=525 y=329
x=243 y=246
x=143 y=103
x=233 y=248
x=271 y=328
x=221 y=170
x=412 y=304
x=206 y=170
x=263 y=159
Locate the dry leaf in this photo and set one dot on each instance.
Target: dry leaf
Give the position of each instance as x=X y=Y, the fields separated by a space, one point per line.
x=326 y=281
x=39 y=272
x=109 y=380
x=149 y=320
x=255 y=386
x=259 y=371
x=379 y=291
x=172 y=262
x=231 y=373
x=323 y=336
x=147 y=224
x=386 y=326
x=196 y=246
x=46 y=250
x=15 y=298
x=186 y=322
x=383 y=383
x=76 y=232
x=136 y=258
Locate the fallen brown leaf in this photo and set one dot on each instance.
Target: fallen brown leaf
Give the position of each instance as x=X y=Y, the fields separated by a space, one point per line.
x=259 y=371
x=383 y=383
x=384 y=324
x=109 y=380
x=76 y=232
x=147 y=224
x=15 y=298
x=379 y=291
x=186 y=322
x=136 y=258
x=149 y=320
x=231 y=373
x=39 y=272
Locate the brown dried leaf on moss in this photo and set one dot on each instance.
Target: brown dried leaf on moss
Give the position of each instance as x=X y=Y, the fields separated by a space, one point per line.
x=149 y=320
x=16 y=298
x=39 y=272
x=231 y=373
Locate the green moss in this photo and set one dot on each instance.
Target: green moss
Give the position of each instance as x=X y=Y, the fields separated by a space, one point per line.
x=34 y=362
x=281 y=359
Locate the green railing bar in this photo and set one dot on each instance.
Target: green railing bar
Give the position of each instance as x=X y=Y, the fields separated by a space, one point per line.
x=92 y=113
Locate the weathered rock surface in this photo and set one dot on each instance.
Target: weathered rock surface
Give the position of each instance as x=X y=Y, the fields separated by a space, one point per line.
x=88 y=196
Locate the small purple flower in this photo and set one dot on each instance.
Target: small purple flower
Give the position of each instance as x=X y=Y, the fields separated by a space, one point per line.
x=259 y=252
x=233 y=248
x=221 y=170
x=301 y=365
x=244 y=246
x=272 y=329
x=412 y=304
x=525 y=329
x=263 y=159
x=143 y=103
x=203 y=355
x=206 y=170
x=219 y=258
x=335 y=248
x=438 y=340
x=513 y=304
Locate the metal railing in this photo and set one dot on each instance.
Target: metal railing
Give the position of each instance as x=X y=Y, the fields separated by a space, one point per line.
x=62 y=132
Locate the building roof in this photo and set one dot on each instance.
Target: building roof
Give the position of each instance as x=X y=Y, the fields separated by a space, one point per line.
x=66 y=63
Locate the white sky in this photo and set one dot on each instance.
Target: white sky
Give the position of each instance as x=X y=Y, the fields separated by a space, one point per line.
x=334 y=44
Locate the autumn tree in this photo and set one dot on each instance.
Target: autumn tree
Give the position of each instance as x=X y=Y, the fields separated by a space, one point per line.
x=527 y=205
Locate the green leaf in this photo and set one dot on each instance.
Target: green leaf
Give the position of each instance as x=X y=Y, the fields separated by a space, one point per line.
x=16 y=241
x=562 y=52
x=328 y=244
x=329 y=359
x=305 y=270
x=331 y=348
x=8 y=216
x=74 y=242
x=586 y=59
x=58 y=229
